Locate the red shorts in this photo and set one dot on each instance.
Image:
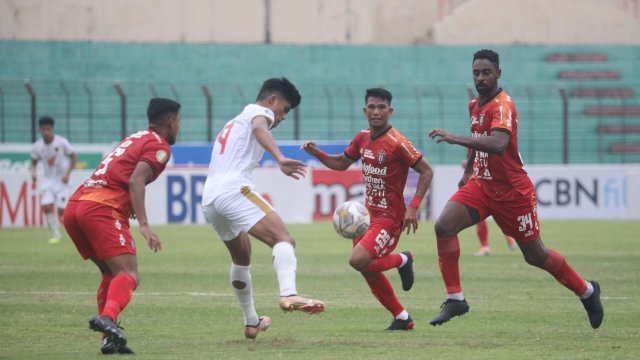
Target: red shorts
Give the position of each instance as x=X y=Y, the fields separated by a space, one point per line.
x=97 y=230
x=517 y=217
x=381 y=237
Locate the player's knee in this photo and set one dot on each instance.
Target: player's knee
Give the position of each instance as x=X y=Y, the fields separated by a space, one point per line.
x=132 y=276
x=355 y=264
x=534 y=260
x=289 y=239
x=241 y=259
x=358 y=263
x=444 y=229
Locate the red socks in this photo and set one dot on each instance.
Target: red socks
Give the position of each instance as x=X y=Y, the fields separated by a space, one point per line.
x=448 y=255
x=382 y=290
x=384 y=263
x=483 y=233
x=557 y=266
x=118 y=295
x=103 y=290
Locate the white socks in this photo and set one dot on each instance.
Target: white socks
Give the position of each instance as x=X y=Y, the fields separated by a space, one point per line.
x=456 y=296
x=52 y=222
x=285 y=264
x=404 y=315
x=242 y=275
x=587 y=292
x=405 y=258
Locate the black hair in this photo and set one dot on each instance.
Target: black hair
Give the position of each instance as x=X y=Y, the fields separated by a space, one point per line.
x=381 y=93
x=159 y=108
x=490 y=55
x=46 y=120
x=282 y=86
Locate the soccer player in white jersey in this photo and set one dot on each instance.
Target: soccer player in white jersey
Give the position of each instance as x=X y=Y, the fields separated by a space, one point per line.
x=235 y=209
x=58 y=159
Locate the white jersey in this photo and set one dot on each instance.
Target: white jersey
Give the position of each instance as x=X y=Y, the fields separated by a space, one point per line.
x=235 y=154
x=54 y=157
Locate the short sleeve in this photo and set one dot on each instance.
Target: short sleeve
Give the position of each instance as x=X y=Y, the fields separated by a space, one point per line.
x=157 y=155
x=265 y=112
x=502 y=114
x=353 y=150
x=34 y=152
x=407 y=152
x=68 y=149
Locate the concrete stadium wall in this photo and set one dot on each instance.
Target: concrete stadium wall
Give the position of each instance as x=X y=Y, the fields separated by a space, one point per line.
x=540 y=22
x=221 y=21
x=324 y=21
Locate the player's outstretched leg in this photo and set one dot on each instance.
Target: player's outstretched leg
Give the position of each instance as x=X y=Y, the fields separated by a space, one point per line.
x=285 y=264
x=402 y=261
x=251 y=331
x=450 y=309
x=588 y=291
x=406 y=271
x=593 y=306
x=108 y=327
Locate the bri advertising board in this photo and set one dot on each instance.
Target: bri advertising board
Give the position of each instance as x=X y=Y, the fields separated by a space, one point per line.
x=581 y=192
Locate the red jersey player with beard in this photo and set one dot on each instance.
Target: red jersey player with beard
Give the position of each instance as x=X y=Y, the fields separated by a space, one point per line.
x=495 y=183
x=386 y=158
x=97 y=216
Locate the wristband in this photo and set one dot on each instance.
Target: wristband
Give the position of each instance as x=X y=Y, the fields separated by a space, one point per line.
x=415 y=202
x=322 y=155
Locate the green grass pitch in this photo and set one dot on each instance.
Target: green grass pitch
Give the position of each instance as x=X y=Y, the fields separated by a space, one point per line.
x=184 y=307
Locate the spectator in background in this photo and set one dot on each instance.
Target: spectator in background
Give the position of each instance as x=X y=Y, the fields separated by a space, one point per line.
x=58 y=160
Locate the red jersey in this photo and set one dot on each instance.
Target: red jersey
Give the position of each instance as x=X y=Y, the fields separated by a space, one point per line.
x=499 y=175
x=108 y=185
x=385 y=166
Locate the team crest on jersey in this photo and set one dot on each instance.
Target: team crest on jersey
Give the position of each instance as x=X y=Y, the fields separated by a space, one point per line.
x=161 y=156
x=481 y=120
x=381 y=157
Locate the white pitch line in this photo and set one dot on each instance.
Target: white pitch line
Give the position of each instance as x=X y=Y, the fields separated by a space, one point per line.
x=568 y=297
x=72 y=293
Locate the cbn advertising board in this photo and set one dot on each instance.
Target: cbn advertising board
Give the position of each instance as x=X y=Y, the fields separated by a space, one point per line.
x=581 y=192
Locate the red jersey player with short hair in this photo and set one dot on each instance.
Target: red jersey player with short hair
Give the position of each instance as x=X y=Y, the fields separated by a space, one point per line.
x=386 y=158
x=495 y=183
x=97 y=216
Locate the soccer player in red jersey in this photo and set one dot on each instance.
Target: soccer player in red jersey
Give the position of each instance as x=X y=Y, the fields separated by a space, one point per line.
x=495 y=183
x=386 y=158
x=97 y=217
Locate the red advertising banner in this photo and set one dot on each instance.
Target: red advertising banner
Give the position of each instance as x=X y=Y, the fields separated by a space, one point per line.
x=331 y=188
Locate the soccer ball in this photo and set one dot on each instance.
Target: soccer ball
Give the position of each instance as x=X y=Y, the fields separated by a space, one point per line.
x=351 y=219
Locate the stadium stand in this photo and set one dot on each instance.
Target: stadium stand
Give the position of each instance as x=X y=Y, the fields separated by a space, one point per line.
x=75 y=83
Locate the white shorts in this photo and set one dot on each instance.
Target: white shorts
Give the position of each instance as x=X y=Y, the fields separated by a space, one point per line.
x=52 y=193
x=236 y=211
